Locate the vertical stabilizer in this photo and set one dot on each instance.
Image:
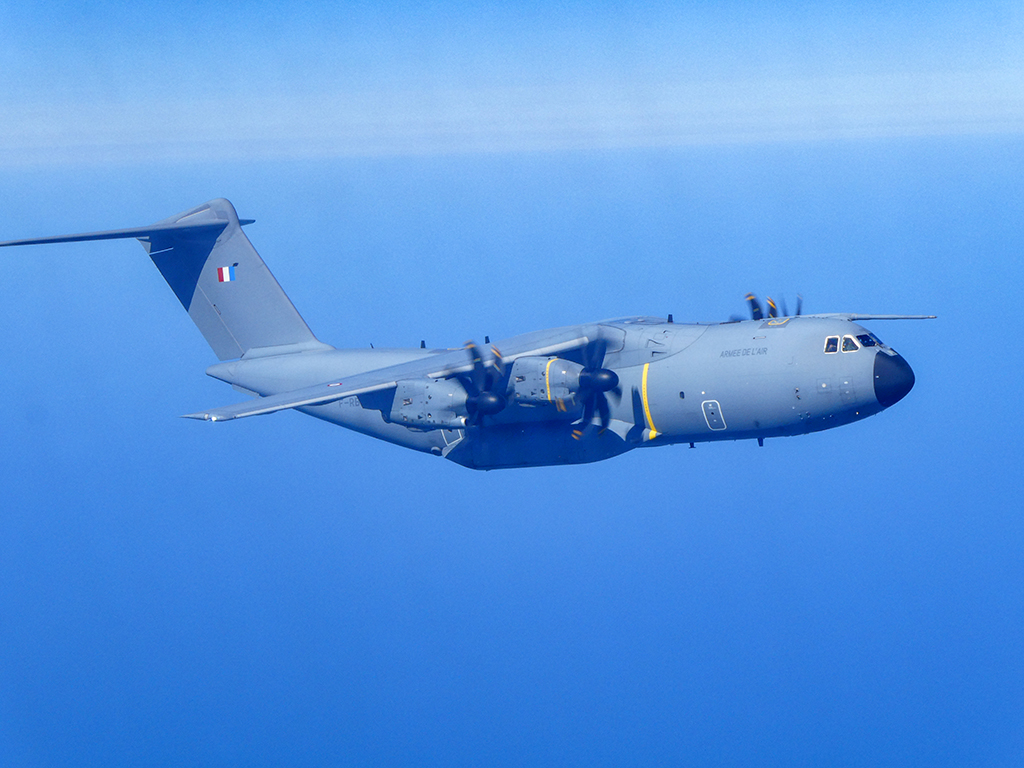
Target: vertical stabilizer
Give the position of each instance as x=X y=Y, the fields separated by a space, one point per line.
x=223 y=283
x=218 y=277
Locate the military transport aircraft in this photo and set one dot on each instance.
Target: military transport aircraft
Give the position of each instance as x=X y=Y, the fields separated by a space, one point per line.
x=562 y=396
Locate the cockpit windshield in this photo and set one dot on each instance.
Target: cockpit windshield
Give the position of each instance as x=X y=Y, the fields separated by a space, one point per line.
x=834 y=344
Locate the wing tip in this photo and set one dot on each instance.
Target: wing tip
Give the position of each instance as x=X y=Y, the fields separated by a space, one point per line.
x=199 y=416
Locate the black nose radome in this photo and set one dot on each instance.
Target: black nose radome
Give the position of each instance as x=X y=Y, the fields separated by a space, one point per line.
x=893 y=379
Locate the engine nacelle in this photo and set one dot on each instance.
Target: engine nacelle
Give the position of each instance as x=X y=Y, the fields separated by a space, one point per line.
x=543 y=380
x=429 y=404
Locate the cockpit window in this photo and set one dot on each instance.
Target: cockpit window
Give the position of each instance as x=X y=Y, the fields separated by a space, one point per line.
x=831 y=345
x=866 y=340
x=849 y=344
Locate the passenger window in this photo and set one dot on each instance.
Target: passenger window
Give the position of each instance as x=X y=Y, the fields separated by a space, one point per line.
x=849 y=345
x=831 y=345
x=866 y=340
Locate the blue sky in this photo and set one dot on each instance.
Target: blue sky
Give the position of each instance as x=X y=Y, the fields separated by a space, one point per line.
x=281 y=591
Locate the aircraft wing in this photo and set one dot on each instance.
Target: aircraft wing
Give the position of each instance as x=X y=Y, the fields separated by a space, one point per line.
x=854 y=317
x=446 y=364
x=319 y=394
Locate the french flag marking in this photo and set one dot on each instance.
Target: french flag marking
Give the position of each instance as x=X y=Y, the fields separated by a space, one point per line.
x=225 y=274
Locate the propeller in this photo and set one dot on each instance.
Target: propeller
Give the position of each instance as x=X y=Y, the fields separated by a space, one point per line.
x=595 y=381
x=483 y=399
x=799 y=306
x=757 y=312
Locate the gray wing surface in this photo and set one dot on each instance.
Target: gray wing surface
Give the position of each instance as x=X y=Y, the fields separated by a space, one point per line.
x=451 y=363
x=854 y=317
x=319 y=394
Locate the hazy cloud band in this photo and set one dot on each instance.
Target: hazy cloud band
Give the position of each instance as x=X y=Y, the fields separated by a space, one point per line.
x=514 y=119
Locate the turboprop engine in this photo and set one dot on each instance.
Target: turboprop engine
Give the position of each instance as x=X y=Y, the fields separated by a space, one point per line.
x=543 y=380
x=429 y=404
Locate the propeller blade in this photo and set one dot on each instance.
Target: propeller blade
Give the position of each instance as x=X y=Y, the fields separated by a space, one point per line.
x=756 y=312
x=497 y=362
x=593 y=354
x=785 y=312
x=639 y=421
x=773 y=311
x=616 y=391
x=588 y=413
x=603 y=411
x=799 y=304
x=478 y=377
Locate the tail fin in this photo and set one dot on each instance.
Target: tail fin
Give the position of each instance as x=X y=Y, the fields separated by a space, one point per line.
x=219 y=278
x=223 y=283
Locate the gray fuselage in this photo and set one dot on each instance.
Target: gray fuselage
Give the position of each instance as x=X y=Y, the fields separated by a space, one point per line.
x=680 y=383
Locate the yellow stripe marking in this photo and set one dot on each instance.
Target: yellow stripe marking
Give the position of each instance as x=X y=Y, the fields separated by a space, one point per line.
x=547 y=377
x=647 y=407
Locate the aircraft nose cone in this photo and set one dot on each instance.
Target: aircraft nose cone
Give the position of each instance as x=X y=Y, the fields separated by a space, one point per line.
x=893 y=379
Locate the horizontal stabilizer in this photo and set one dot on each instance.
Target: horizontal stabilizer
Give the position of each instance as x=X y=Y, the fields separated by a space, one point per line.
x=120 y=234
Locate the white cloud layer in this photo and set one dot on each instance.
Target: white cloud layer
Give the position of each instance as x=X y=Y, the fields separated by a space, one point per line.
x=513 y=119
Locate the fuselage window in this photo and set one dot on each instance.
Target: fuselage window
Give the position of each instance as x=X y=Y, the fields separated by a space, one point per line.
x=849 y=345
x=866 y=340
x=831 y=345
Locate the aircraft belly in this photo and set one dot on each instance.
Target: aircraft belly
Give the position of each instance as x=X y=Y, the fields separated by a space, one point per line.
x=534 y=445
x=349 y=414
